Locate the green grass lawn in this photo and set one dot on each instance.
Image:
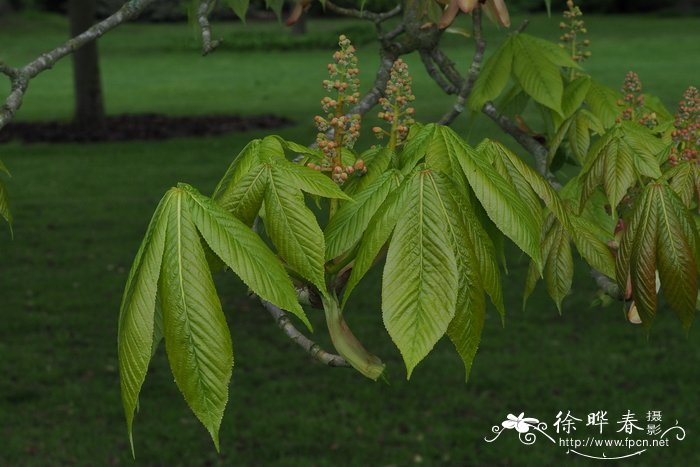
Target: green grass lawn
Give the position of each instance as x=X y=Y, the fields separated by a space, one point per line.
x=80 y=213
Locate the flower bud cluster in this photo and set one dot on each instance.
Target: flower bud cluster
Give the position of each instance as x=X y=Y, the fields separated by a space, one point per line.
x=343 y=84
x=686 y=131
x=573 y=31
x=340 y=173
x=395 y=104
x=632 y=102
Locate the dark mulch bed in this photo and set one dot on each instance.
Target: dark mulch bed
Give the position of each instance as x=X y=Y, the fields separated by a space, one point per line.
x=131 y=127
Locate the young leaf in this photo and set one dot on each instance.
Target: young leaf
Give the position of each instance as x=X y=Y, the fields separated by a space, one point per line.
x=241 y=165
x=470 y=310
x=197 y=338
x=574 y=94
x=594 y=250
x=493 y=77
x=677 y=268
x=308 y=180
x=548 y=50
x=245 y=198
x=603 y=103
x=419 y=289
x=559 y=266
x=499 y=198
x=378 y=232
x=349 y=223
x=416 y=147
x=643 y=258
x=294 y=230
x=136 y=314
x=539 y=77
x=244 y=252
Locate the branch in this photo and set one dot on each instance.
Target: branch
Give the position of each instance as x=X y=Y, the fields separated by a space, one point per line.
x=472 y=75
x=372 y=97
x=301 y=340
x=447 y=67
x=434 y=73
x=20 y=78
x=205 y=7
x=607 y=285
x=364 y=14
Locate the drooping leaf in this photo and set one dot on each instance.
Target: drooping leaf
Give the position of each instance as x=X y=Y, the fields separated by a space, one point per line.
x=548 y=50
x=378 y=232
x=419 y=289
x=559 y=266
x=499 y=198
x=240 y=7
x=574 y=94
x=136 y=314
x=493 y=77
x=244 y=252
x=682 y=181
x=197 y=338
x=294 y=231
x=619 y=172
x=470 y=310
x=643 y=260
x=676 y=263
x=595 y=251
x=348 y=224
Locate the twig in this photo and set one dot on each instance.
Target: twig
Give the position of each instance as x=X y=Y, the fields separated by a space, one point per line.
x=20 y=78
x=205 y=7
x=301 y=340
x=472 y=75
x=447 y=67
x=364 y=14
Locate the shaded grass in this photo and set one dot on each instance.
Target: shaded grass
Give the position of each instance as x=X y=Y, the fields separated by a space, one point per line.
x=81 y=210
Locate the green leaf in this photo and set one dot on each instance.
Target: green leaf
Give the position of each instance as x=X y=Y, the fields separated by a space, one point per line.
x=419 y=289
x=595 y=251
x=197 y=338
x=579 y=136
x=240 y=7
x=677 y=268
x=645 y=145
x=376 y=167
x=531 y=278
x=548 y=50
x=415 y=149
x=642 y=259
x=271 y=149
x=293 y=229
x=499 y=198
x=619 y=172
x=349 y=223
x=559 y=266
x=245 y=198
x=603 y=103
x=539 y=77
x=682 y=181
x=470 y=309
x=5 y=205
x=574 y=94
x=378 y=232
x=248 y=158
x=493 y=77
x=244 y=252
x=136 y=314
x=308 y=180
x=276 y=6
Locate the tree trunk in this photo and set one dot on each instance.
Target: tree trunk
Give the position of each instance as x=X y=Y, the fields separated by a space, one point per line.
x=89 y=106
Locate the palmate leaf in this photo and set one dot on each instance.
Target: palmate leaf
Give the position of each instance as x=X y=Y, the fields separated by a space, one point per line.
x=499 y=198
x=197 y=339
x=493 y=77
x=244 y=252
x=136 y=315
x=660 y=236
x=419 y=291
x=348 y=224
x=293 y=229
x=241 y=165
x=245 y=198
x=308 y=180
x=470 y=309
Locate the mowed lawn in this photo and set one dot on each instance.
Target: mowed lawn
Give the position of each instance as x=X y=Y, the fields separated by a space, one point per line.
x=80 y=212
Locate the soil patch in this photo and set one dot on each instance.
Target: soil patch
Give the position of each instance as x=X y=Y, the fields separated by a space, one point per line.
x=130 y=127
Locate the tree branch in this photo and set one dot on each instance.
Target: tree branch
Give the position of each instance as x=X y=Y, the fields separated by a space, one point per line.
x=472 y=75
x=436 y=74
x=313 y=349
x=20 y=78
x=364 y=14
x=447 y=67
x=205 y=7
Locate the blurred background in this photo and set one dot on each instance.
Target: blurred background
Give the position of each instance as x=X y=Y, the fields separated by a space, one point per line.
x=89 y=168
